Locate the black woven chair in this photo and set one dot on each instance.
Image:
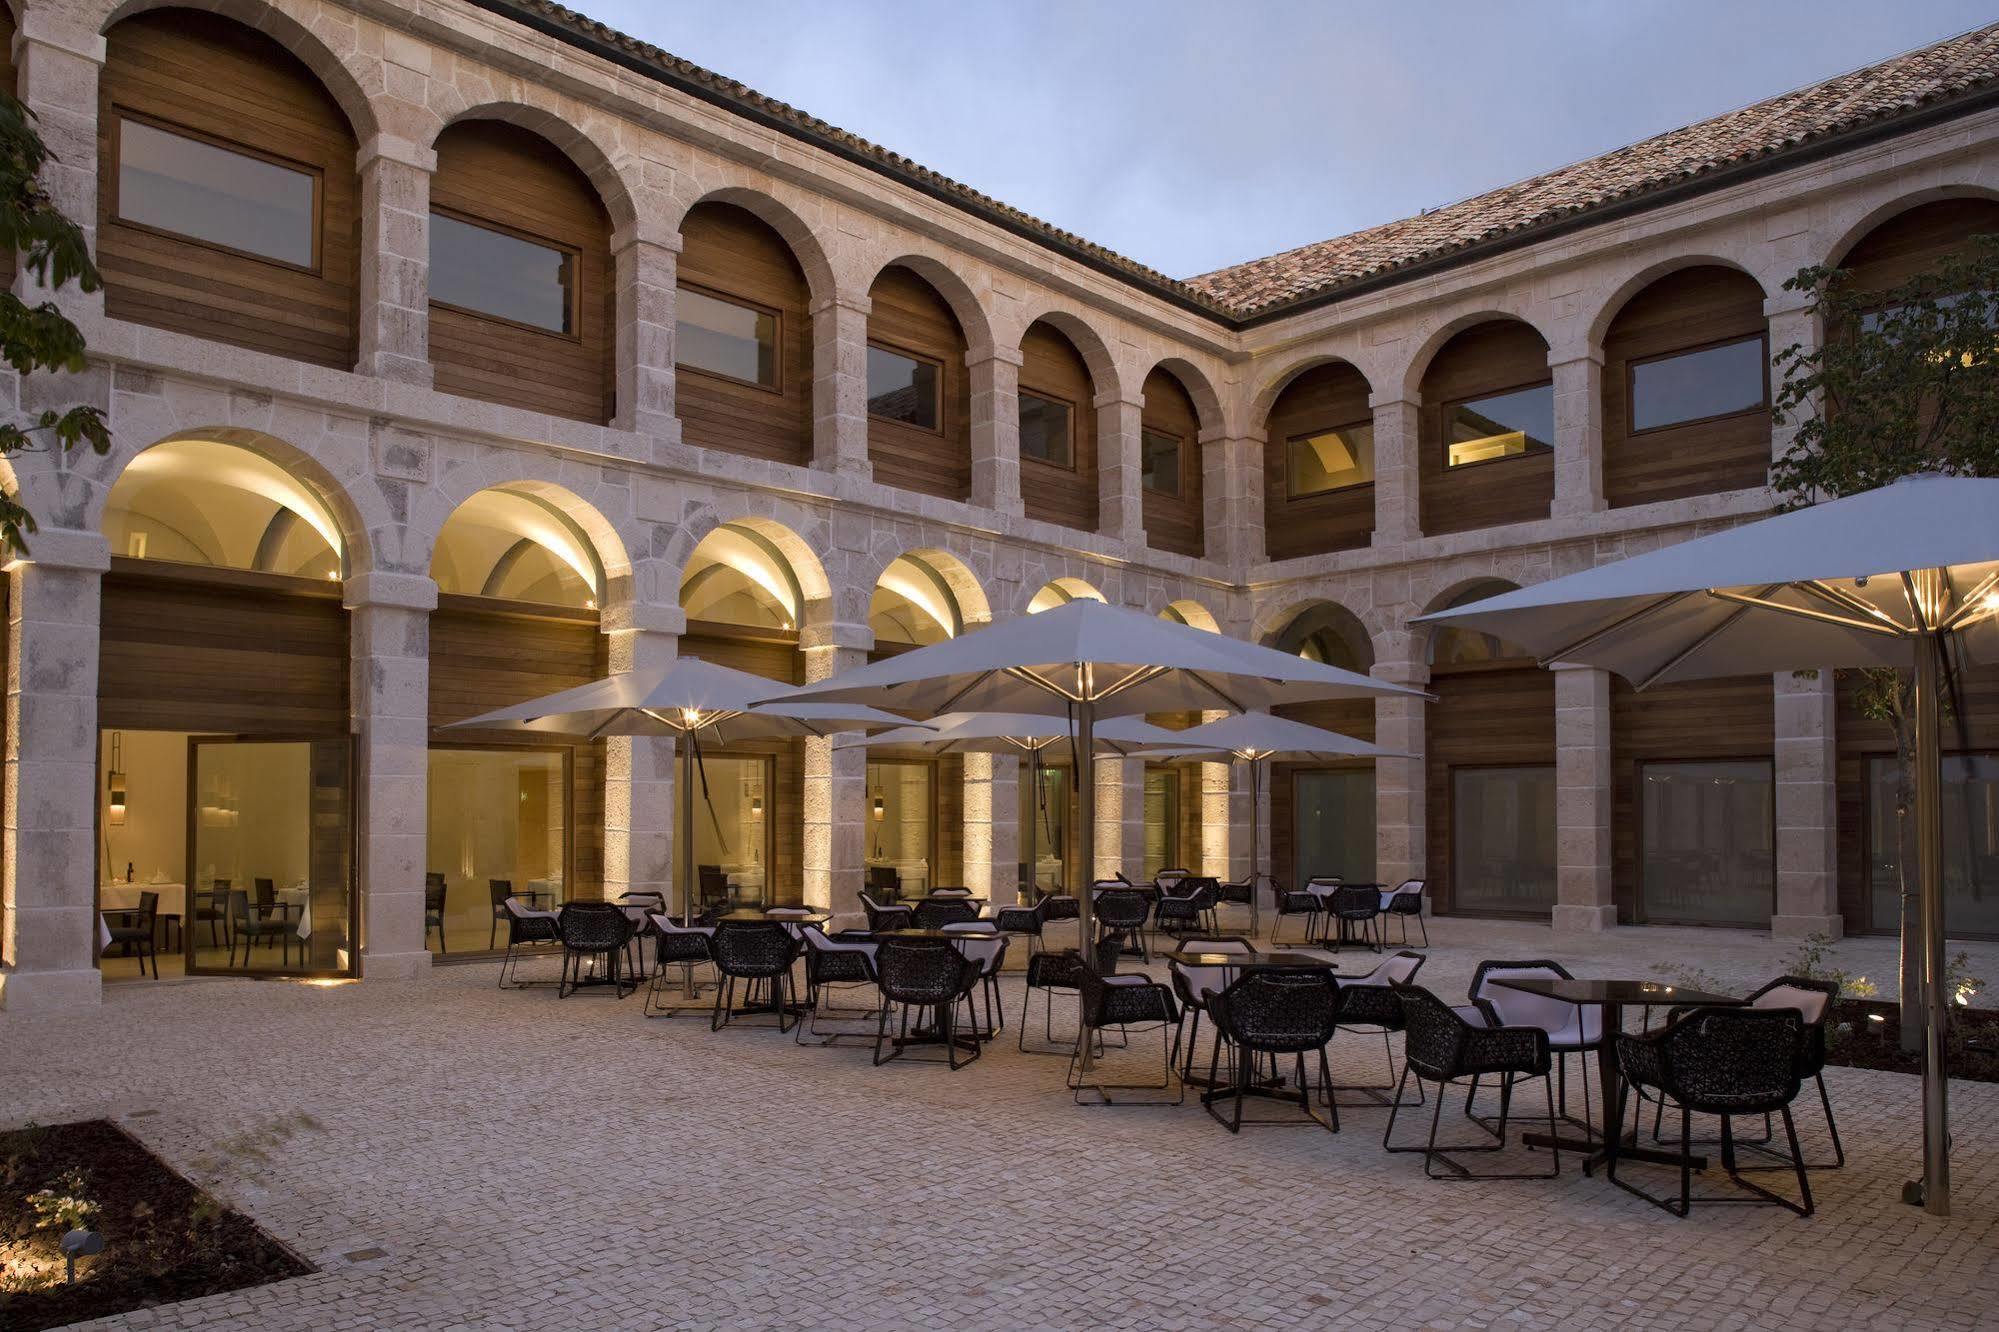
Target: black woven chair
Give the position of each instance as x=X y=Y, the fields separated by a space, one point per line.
x=1573 y=1029
x=1268 y=1015
x=885 y=915
x=1061 y=906
x=248 y=924
x=1185 y=906
x=1368 y=1005
x=1124 y=1002
x=140 y=931
x=1291 y=903
x=433 y=908
x=760 y=954
x=1724 y=1062
x=499 y=890
x=1194 y=986
x=929 y=976
x=1354 y=910
x=1060 y=970
x=679 y=948
x=529 y=932
x=935 y=913
x=1121 y=915
x=594 y=936
x=1245 y=893
x=1404 y=905
x=984 y=945
x=1025 y=920
x=845 y=961
x=1440 y=1046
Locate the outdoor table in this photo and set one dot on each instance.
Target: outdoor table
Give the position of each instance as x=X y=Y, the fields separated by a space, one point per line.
x=1279 y=960
x=1346 y=935
x=933 y=1032
x=761 y=915
x=1614 y=995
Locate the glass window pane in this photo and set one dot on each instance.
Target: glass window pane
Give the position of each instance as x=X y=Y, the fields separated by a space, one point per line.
x=1708 y=856
x=1692 y=386
x=494 y=273
x=732 y=822
x=725 y=338
x=212 y=194
x=1503 y=425
x=1044 y=429
x=1503 y=839
x=495 y=814
x=1162 y=820
x=1331 y=460
x=900 y=806
x=1044 y=826
x=1333 y=823
x=1159 y=462
x=1970 y=841
x=902 y=388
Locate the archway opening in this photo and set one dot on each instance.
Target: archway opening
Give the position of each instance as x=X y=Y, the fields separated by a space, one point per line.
x=512 y=545
x=1060 y=592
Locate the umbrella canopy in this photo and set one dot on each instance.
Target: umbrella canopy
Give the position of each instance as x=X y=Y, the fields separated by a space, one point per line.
x=1017 y=732
x=1891 y=577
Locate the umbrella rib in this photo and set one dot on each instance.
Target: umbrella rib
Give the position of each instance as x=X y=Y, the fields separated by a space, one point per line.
x=1040 y=682
x=1981 y=604
x=1805 y=612
x=951 y=704
x=1727 y=622
x=1596 y=636
x=1234 y=705
x=1825 y=591
x=1142 y=675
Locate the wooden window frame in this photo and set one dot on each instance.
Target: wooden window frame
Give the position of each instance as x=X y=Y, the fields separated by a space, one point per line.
x=120 y=114
x=574 y=253
x=1639 y=915
x=1444 y=433
x=1180 y=486
x=1291 y=497
x=943 y=394
x=777 y=385
x=1631 y=430
x=1070 y=467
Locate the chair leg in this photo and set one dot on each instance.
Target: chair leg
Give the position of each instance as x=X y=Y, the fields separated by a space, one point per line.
x=1838 y=1151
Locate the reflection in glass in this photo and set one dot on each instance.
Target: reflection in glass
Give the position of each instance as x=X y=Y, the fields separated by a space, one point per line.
x=732 y=823
x=1044 y=429
x=494 y=814
x=1046 y=811
x=1330 y=460
x=494 y=273
x=902 y=388
x=1692 y=386
x=1333 y=823
x=1503 y=425
x=212 y=194
x=1503 y=839
x=1970 y=843
x=901 y=802
x=1159 y=462
x=1709 y=857
x=724 y=338
x=1162 y=819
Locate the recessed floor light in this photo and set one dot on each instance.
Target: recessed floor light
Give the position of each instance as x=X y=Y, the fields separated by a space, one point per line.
x=365 y=1255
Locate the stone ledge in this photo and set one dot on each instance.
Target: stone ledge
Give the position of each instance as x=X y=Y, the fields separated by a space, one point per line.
x=50 y=991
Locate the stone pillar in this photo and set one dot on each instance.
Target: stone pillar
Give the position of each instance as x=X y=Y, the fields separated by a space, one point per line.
x=1579 y=434
x=58 y=60
x=836 y=782
x=1791 y=324
x=996 y=429
x=646 y=270
x=1401 y=786
x=389 y=636
x=1807 y=769
x=639 y=771
x=992 y=827
x=395 y=259
x=1232 y=496
x=1397 y=469
x=1218 y=842
x=1120 y=826
x=48 y=928
x=1584 y=797
x=840 y=386
x=1241 y=810
x=1120 y=467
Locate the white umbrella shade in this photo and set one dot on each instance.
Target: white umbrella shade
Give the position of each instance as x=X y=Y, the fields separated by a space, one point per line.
x=1890 y=577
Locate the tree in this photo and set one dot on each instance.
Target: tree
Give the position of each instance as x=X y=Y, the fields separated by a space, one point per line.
x=39 y=337
x=1903 y=381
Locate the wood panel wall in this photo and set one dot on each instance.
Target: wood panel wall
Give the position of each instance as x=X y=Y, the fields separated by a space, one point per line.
x=214 y=78
x=1348 y=716
x=1493 y=716
x=776 y=656
x=1695 y=307
x=909 y=316
x=1322 y=398
x=731 y=253
x=500 y=175
x=1052 y=367
x=1174 y=522
x=1493 y=357
x=1912 y=241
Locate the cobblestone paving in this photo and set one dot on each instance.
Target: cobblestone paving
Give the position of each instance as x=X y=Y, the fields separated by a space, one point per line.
x=525 y=1163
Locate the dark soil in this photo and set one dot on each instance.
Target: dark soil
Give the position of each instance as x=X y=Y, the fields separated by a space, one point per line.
x=1867 y=1034
x=164 y=1239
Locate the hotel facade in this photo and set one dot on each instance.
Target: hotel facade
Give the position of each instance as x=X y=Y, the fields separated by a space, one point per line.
x=457 y=351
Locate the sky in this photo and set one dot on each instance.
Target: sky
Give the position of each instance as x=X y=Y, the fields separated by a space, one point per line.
x=1189 y=136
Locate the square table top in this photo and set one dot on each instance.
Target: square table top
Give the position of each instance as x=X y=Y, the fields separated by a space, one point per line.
x=1272 y=961
x=1649 y=994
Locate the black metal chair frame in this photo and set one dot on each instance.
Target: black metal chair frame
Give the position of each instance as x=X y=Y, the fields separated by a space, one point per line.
x=531 y=936
x=499 y=890
x=1028 y=921
x=987 y=990
x=1353 y=905
x=941 y=1002
x=247 y=927
x=592 y=930
x=1440 y=1046
x=770 y=972
x=145 y=935
x=1189 y=910
x=682 y=948
x=1059 y=970
x=1243 y=892
x=1286 y=902
x=1584 y=1052
x=830 y=970
x=1193 y=1005
x=1128 y=1004
x=1375 y=1009
x=1121 y=914
x=1253 y=987
x=1404 y=904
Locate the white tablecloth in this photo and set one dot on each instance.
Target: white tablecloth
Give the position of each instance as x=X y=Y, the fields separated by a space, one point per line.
x=173 y=897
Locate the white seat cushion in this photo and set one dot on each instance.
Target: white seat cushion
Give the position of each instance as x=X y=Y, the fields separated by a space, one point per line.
x=1810 y=1004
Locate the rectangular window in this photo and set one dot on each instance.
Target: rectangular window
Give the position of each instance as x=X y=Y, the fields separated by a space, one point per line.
x=901 y=809
x=1333 y=824
x=483 y=271
x=1044 y=430
x=902 y=388
x=1709 y=851
x=1044 y=827
x=1697 y=385
x=1159 y=462
x=213 y=194
x=1330 y=460
x=732 y=834
x=725 y=338
x=498 y=826
x=1503 y=839
x=1970 y=843
x=1500 y=425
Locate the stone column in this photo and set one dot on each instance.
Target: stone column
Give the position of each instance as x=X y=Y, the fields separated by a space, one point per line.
x=1120 y=826
x=1397 y=469
x=395 y=259
x=1584 y=797
x=1401 y=786
x=992 y=827
x=836 y=782
x=840 y=385
x=639 y=770
x=1218 y=842
x=1579 y=434
x=1232 y=496
x=996 y=429
x=48 y=928
x=1791 y=324
x=57 y=60
x=1807 y=769
x=646 y=270
x=1120 y=466
x=389 y=635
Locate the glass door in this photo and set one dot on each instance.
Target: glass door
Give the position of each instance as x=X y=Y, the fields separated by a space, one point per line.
x=1333 y=824
x=1044 y=820
x=1503 y=840
x=270 y=851
x=1708 y=843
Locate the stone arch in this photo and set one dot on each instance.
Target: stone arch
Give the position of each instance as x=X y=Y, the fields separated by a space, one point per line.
x=595 y=160
x=553 y=517
x=973 y=320
x=778 y=535
x=1105 y=378
x=1273 y=388
x=1061 y=590
x=1639 y=279
x=1187 y=611
x=1207 y=402
x=1435 y=641
x=1858 y=228
x=1434 y=341
x=940 y=583
x=806 y=244
x=1320 y=629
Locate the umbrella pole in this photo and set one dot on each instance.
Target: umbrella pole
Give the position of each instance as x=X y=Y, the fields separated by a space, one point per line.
x=1934 y=1191
x=1084 y=862
x=1033 y=826
x=686 y=847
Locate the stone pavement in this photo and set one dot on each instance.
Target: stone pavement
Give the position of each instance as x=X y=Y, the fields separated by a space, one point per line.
x=520 y=1162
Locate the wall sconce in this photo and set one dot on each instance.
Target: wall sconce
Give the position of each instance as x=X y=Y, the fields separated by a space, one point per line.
x=756 y=807
x=114 y=781
x=881 y=810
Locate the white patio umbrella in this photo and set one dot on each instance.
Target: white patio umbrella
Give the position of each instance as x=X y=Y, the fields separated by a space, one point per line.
x=1894 y=577
x=688 y=699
